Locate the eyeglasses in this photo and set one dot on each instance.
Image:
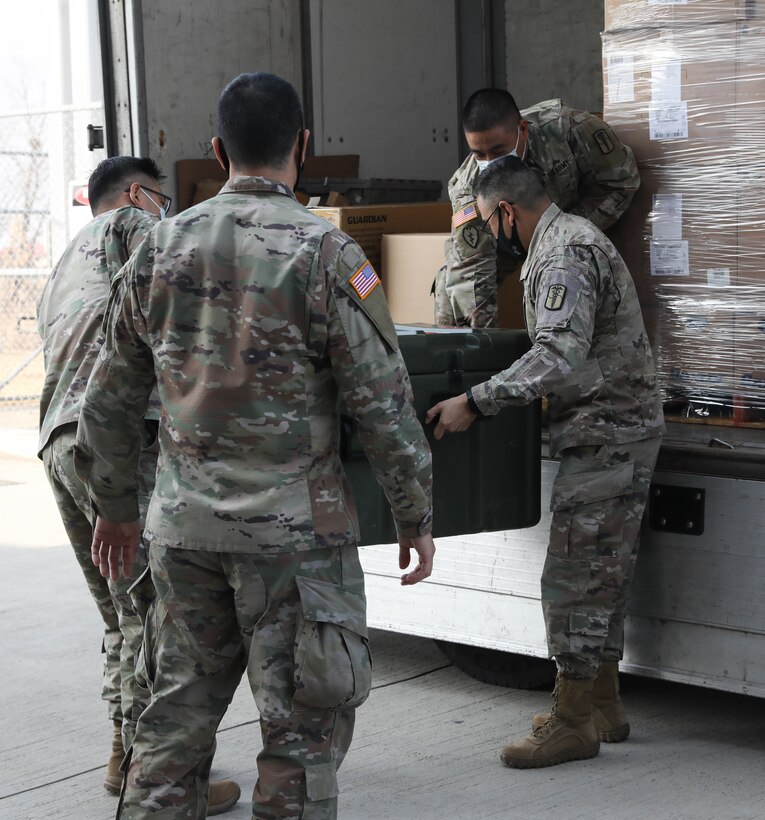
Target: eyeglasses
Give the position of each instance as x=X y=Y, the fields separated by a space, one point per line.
x=484 y=226
x=165 y=200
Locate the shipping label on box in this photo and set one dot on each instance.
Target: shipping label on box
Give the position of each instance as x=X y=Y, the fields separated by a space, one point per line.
x=669 y=258
x=620 y=71
x=667 y=216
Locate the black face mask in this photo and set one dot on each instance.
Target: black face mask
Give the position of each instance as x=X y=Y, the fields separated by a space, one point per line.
x=510 y=247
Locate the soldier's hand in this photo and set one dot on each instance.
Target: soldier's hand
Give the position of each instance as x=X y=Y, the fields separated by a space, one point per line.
x=454 y=416
x=115 y=547
x=425 y=548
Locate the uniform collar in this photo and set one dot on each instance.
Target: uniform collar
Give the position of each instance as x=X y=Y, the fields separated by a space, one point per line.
x=548 y=217
x=246 y=185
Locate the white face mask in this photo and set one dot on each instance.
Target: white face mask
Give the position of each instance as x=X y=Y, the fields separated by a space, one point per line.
x=483 y=164
x=162 y=210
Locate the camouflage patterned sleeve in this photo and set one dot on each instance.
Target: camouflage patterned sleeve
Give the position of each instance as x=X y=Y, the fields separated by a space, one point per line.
x=565 y=296
x=125 y=231
x=111 y=425
x=374 y=384
x=609 y=173
x=470 y=275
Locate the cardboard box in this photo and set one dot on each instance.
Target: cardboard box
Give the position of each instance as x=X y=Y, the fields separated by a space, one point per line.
x=367 y=223
x=692 y=342
x=197 y=180
x=669 y=93
x=331 y=165
x=409 y=265
x=672 y=236
x=621 y=14
x=749 y=344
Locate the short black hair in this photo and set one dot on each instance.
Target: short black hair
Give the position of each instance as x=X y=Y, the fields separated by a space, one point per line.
x=488 y=108
x=112 y=175
x=510 y=179
x=259 y=117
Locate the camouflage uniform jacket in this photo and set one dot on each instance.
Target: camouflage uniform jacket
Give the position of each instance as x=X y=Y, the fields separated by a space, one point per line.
x=252 y=316
x=71 y=309
x=586 y=170
x=590 y=355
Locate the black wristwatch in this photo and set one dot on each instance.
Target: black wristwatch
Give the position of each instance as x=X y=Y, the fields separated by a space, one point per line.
x=474 y=409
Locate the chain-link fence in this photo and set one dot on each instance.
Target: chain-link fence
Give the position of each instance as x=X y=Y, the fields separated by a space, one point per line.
x=44 y=160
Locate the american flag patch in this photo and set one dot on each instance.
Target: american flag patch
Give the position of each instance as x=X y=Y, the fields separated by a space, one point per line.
x=465 y=215
x=365 y=280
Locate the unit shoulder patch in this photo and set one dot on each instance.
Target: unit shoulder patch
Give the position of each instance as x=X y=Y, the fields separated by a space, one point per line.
x=556 y=296
x=604 y=141
x=471 y=236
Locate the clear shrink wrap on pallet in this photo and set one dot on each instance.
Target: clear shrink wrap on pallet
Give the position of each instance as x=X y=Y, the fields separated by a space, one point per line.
x=689 y=99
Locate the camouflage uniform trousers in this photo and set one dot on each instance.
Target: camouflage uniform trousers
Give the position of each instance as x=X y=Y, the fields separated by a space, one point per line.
x=296 y=623
x=598 y=501
x=123 y=631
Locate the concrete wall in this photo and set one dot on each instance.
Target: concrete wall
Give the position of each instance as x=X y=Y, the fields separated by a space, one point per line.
x=553 y=50
x=191 y=49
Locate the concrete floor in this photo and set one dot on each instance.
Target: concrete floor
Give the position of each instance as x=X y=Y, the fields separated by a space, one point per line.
x=426 y=741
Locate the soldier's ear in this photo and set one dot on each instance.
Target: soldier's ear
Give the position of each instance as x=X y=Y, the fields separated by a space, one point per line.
x=507 y=209
x=220 y=154
x=133 y=191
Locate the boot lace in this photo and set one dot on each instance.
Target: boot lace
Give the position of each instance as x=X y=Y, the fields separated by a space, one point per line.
x=551 y=722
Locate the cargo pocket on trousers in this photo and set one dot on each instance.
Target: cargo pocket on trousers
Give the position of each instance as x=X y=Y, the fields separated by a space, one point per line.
x=584 y=506
x=321 y=781
x=333 y=666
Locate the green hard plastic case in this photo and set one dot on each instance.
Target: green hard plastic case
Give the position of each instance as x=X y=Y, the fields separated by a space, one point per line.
x=485 y=479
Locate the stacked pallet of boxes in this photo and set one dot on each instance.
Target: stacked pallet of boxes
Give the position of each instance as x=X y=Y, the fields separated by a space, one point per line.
x=684 y=86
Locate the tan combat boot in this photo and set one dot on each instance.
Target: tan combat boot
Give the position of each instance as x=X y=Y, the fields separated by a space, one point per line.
x=113 y=779
x=607 y=709
x=221 y=796
x=568 y=734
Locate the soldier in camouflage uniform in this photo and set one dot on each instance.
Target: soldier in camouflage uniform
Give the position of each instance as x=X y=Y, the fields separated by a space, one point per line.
x=591 y=358
x=586 y=170
x=70 y=311
x=252 y=317
x=125 y=203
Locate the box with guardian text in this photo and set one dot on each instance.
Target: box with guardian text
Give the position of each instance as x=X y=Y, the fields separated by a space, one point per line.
x=367 y=223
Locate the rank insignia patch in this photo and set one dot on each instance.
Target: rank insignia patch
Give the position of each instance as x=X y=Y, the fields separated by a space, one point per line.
x=465 y=215
x=365 y=280
x=556 y=296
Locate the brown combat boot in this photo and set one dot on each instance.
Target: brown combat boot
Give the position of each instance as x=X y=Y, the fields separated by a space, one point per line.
x=113 y=779
x=607 y=709
x=221 y=796
x=568 y=734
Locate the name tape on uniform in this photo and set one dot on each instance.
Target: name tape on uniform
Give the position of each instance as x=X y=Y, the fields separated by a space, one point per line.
x=465 y=215
x=365 y=280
